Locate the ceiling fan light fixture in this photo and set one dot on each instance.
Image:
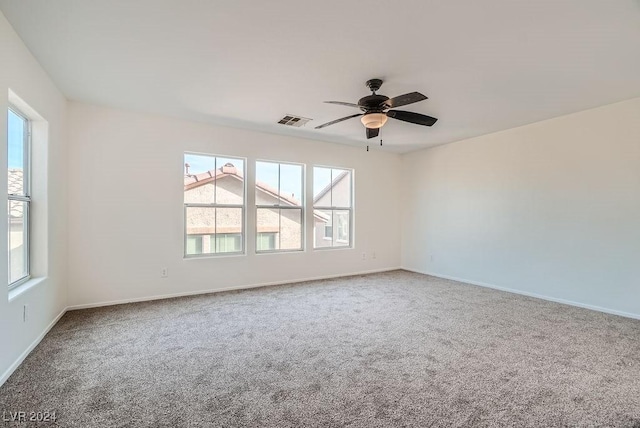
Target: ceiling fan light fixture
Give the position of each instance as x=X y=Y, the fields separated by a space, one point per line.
x=375 y=110
x=374 y=120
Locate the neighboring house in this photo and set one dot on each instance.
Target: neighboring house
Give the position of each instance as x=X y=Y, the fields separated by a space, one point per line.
x=277 y=228
x=333 y=229
x=214 y=227
x=212 y=230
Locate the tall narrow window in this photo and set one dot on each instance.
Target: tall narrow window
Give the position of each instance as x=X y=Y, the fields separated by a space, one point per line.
x=19 y=196
x=332 y=207
x=279 y=206
x=214 y=205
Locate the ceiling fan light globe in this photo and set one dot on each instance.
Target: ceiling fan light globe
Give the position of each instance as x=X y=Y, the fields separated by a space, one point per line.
x=374 y=120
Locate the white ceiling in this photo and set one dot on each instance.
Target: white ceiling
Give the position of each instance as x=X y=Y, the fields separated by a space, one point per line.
x=485 y=65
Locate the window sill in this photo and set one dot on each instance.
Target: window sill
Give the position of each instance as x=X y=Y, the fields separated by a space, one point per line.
x=261 y=252
x=24 y=287
x=337 y=247
x=212 y=256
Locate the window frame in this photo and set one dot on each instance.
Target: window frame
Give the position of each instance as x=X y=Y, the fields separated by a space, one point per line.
x=333 y=209
x=25 y=198
x=215 y=205
x=279 y=206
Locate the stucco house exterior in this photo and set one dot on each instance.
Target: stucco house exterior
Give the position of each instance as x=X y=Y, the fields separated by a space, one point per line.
x=279 y=217
x=213 y=230
x=333 y=226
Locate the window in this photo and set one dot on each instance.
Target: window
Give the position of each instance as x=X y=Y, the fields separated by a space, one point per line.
x=266 y=241
x=19 y=196
x=279 y=206
x=214 y=205
x=332 y=207
x=328 y=229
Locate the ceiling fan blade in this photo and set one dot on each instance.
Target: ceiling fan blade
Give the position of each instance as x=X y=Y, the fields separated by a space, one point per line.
x=372 y=132
x=411 y=117
x=338 y=120
x=403 y=100
x=341 y=103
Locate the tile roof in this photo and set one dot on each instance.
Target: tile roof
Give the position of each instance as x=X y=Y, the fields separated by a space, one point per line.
x=195 y=180
x=192 y=181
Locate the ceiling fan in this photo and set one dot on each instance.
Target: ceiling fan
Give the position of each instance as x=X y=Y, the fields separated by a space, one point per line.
x=376 y=109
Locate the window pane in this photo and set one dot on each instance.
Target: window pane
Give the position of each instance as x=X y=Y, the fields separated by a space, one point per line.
x=16 y=129
x=194 y=244
x=284 y=225
x=229 y=222
x=228 y=242
x=323 y=222
x=266 y=241
x=267 y=178
x=229 y=189
x=210 y=179
x=321 y=188
x=341 y=227
x=291 y=184
x=198 y=164
x=268 y=222
x=291 y=229
x=230 y=181
x=341 y=188
x=199 y=187
x=237 y=163
x=332 y=188
x=215 y=181
x=278 y=184
x=18 y=240
x=201 y=222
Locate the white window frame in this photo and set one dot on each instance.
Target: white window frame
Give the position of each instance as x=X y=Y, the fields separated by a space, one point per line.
x=214 y=205
x=26 y=198
x=280 y=206
x=333 y=209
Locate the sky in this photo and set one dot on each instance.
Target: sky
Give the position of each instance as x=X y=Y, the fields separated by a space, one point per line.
x=15 y=139
x=290 y=175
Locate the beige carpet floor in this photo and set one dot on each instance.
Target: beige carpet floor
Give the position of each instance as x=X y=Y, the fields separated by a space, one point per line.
x=381 y=350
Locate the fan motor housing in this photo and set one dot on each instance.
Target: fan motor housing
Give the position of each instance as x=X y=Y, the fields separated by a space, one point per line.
x=373 y=103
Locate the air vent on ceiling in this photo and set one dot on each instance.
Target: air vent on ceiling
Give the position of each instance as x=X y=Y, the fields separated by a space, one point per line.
x=291 y=120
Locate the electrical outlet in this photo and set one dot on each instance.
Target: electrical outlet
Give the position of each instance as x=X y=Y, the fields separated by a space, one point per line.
x=25 y=313
x=364 y=256
x=431 y=257
x=164 y=272
x=373 y=255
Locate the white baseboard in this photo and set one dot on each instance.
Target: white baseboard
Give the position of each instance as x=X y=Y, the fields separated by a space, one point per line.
x=31 y=347
x=529 y=294
x=219 y=290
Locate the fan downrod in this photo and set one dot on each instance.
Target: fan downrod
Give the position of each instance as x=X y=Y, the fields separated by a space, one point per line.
x=374 y=84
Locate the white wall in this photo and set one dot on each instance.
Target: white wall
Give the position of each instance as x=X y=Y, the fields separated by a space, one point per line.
x=126 y=213
x=46 y=295
x=551 y=208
